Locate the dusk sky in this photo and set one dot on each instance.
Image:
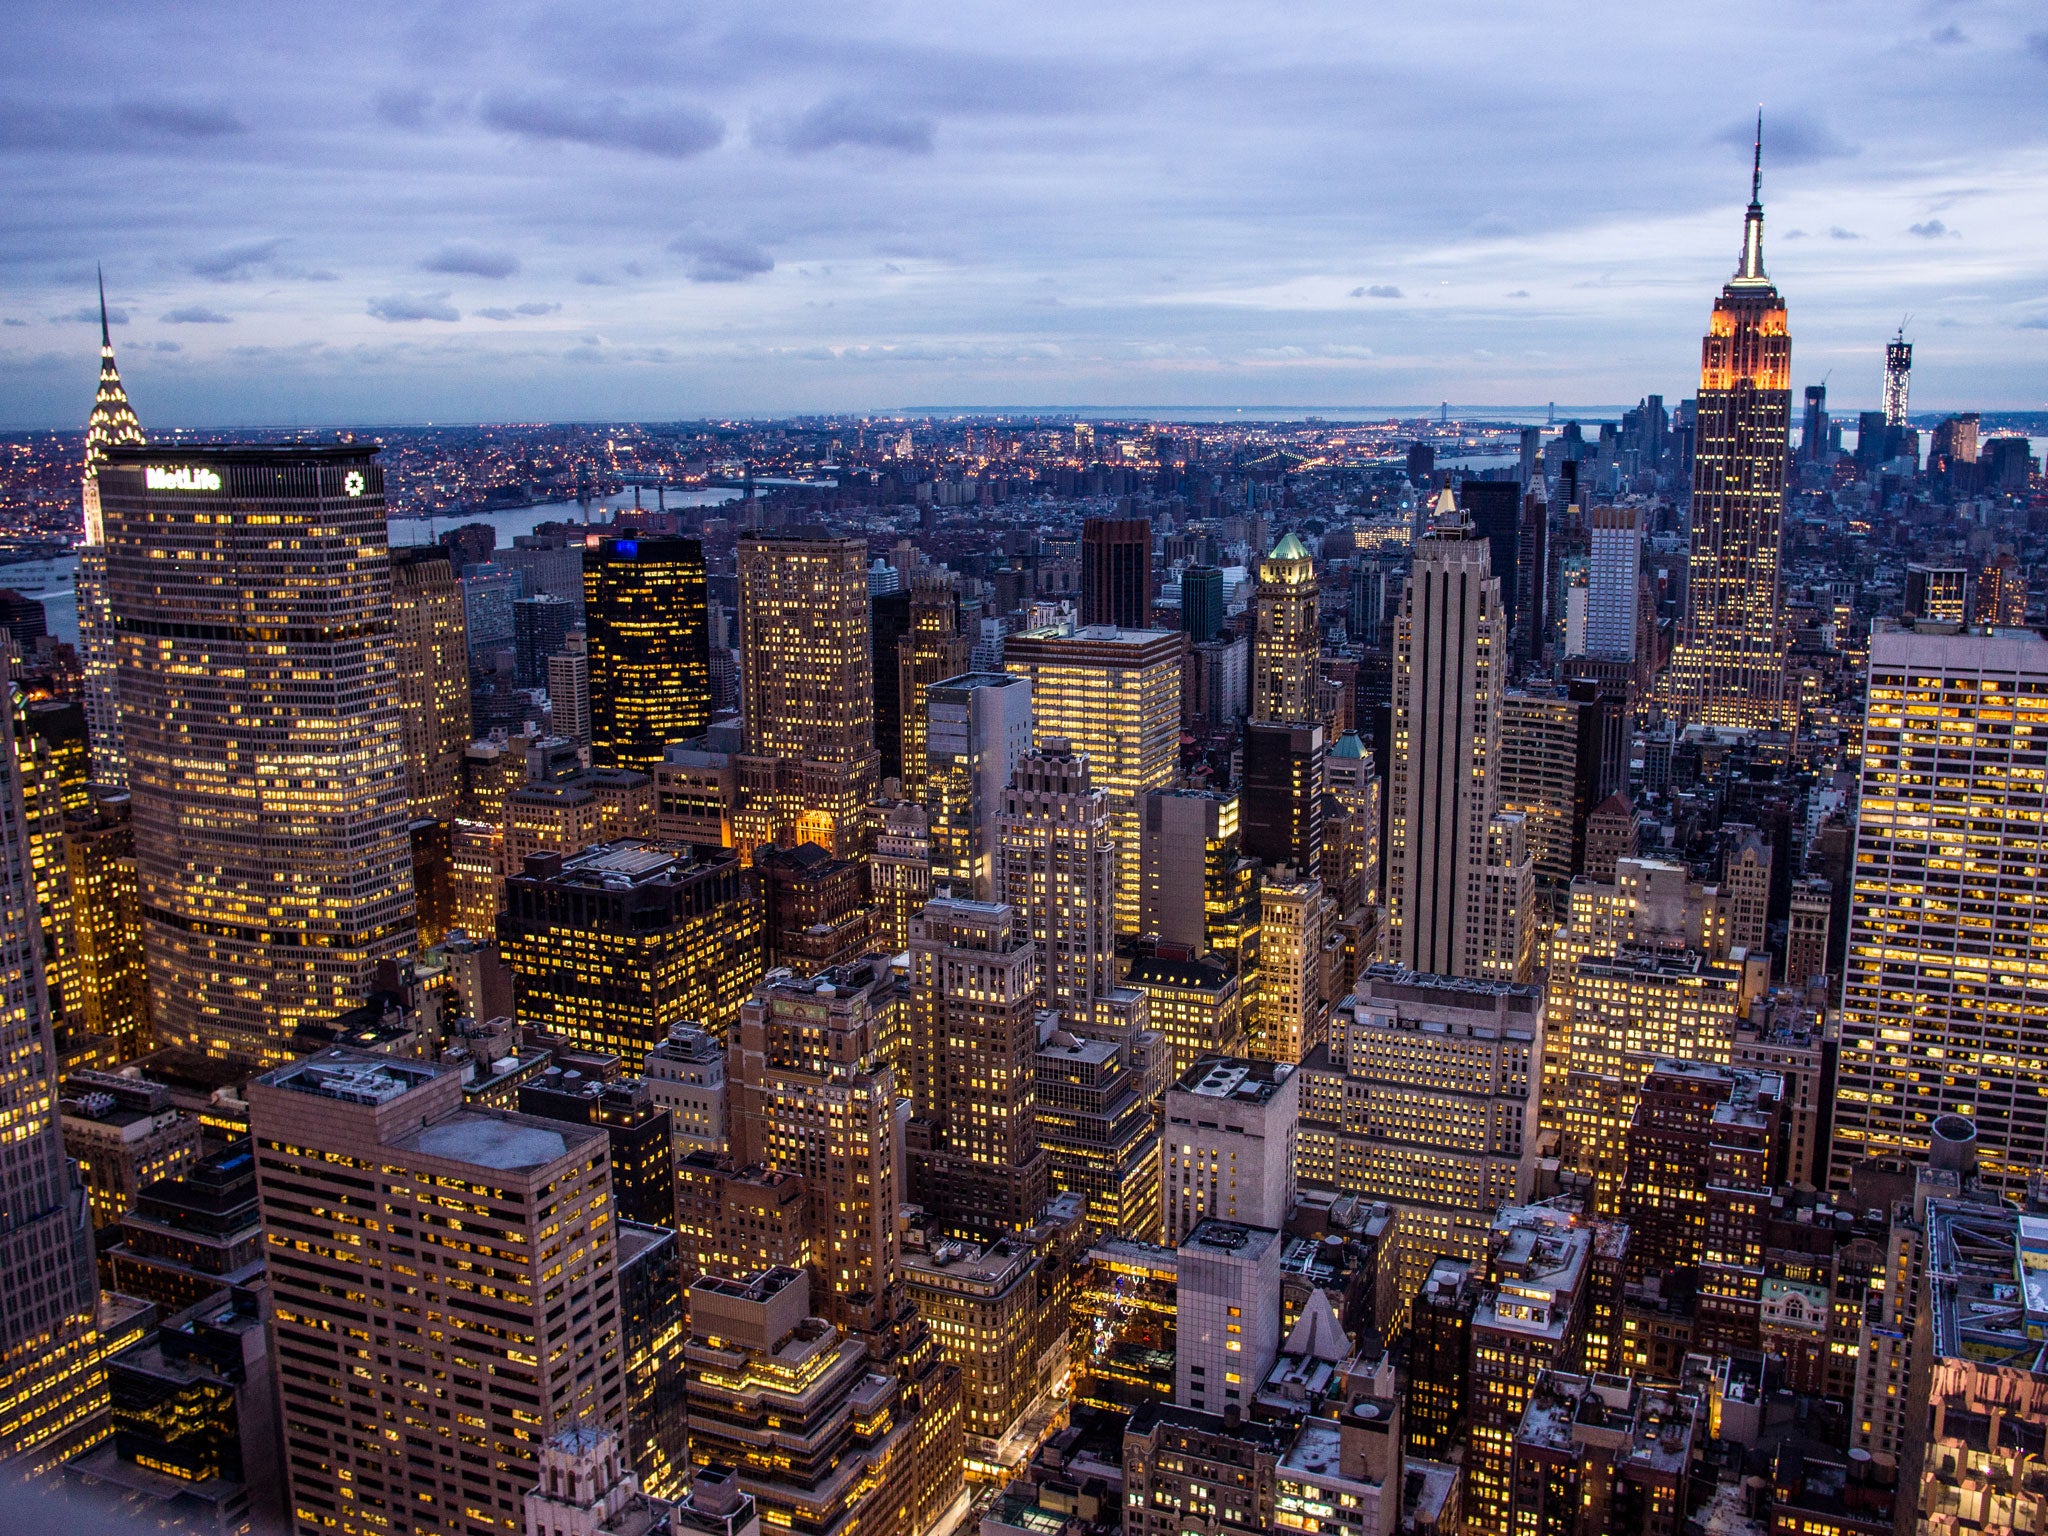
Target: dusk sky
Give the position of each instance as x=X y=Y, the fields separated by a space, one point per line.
x=391 y=213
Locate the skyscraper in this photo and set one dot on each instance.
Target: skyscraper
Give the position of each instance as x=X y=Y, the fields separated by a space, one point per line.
x=1281 y=803
x=111 y=425
x=974 y=1159
x=345 y=1139
x=1813 y=434
x=49 y=1364
x=1613 y=576
x=648 y=646
x=1201 y=603
x=807 y=690
x=1286 y=644
x=977 y=726
x=1729 y=664
x=1898 y=378
x=1495 y=507
x=433 y=678
x=1450 y=650
x=259 y=709
x=1116 y=572
x=932 y=649
x=1056 y=869
x=1113 y=695
x=1942 y=1014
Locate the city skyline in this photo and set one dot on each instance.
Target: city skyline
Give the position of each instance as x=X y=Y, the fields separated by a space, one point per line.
x=842 y=212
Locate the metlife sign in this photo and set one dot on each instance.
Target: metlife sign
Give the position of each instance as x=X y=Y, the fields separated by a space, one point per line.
x=160 y=477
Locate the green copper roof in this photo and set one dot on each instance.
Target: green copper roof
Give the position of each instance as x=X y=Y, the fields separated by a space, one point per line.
x=1289 y=548
x=1348 y=745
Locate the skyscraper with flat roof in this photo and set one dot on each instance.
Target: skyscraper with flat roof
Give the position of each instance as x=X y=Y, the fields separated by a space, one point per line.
x=433 y=678
x=1116 y=572
x=385 y=1197
x=647 y=640
x=251 y=588
x=808 y=762
x=977 y=725
x=1942 y=1014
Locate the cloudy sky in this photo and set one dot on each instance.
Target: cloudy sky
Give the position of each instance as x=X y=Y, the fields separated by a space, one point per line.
x=398 y=212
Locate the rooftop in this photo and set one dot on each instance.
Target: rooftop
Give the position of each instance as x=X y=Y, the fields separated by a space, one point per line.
x=1235 y=1078
x=489 y=1140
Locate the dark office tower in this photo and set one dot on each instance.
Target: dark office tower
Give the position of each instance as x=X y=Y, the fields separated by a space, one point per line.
x=433 y=678
x=1898 y=378
x=99 y=845
x=932 y=651
x=1813 y=435
x=653 y=1299
x=250 y=589
x=814 y=908
x=1281 y=802
x=1116 y=572
x=1439 y=1359
x=111 y=425
x=1729 y=665
x=889 y=622
x=49 y=1366
x=23 y=617
x=1495 y=507
x=1566 y=492
x=642 y=1143
x=540 y=629
x=972 y=1150
x=1532 y=453
x=1201 y=603
x=1532 y=580
x=1421 y=462
x=612 y=947
x=648 y=643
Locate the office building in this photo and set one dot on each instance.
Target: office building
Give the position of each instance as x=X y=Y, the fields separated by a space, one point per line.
x=1281 y=803
x=685 y=1075
x=1630 y=1008
x=540 y=629
x=587 y=1487
x=568 y=684
x=113 y=977
x=190 y=1236
x=432 y=677
x=976 y=727
x=1561 y=755
x=1290 y=1017
x=648 y=647
x=1056 y=869
x=1227 y=1281
x=124 y=1134
x=1806 y=933
x=612 y=947
x=1944 y=909
x=1728 y=667
x=1440 y=1356
x=1187 y=845
x=580 y=1089
x=1283 y=741
x=1528 y=1322
x=808 y=762
x=1116 y=572
x=899 y=873
x=1286 y=641
x=1196 y=1003
x=888 y=623
x=112 y=424
x=195 y=1443
x=346 y=1133
x=1815 y=426
x=52 y=1389
x=2001 y=594
x=842 y=1446
x=814 y=909
x=1219 y=680
x=1450 y=649
x=1113 y=695
x=717 y=1505
x=1201 y=603
x=1898 y=379
x=1229 y=1144
x=1495 y=507
x=974 y=1159
x=932 y=649
x=1614 y=575
x=1603 y=1454
x=1095 y=1101
x=302 y=796
x=1940 y=593
x=1426 y=1098
x=550 y=563
x=653 y=1331
x=1184 y=1460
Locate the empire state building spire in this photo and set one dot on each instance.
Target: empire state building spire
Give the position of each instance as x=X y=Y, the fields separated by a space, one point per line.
x=1729 y=664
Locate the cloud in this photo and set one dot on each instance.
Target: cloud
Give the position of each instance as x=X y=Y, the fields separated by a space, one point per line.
x=1790 y=138
x=2031 y=323
x=1947 y=35
x=714 y=259
x=180 y=119
x=845 y=121
x=194 y=314
x=1377 y=291
x=167 y=346
x=674 y=132
x=404 y=107
x=89 y=314
x=10 y=320
x=1933 y=229
x=517 y=310
x=400 y=307
x=2037 y=45
x=235 y=261
x=1836 y=232
x=470 y=261
x=590 y=279
x=1519 y=293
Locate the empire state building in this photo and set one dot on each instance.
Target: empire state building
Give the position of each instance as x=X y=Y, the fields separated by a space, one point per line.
x=1729 y=664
